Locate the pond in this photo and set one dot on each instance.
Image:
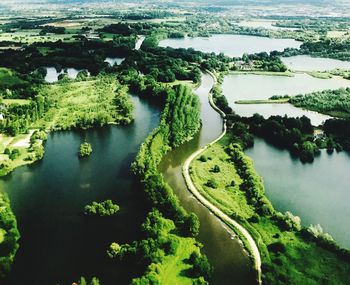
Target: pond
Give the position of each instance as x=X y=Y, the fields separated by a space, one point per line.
x=231 y=45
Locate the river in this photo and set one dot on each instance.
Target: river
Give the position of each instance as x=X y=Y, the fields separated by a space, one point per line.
x=225 y=253
x=59 y=244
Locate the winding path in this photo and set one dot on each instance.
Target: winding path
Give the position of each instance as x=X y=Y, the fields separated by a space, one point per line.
x=215 y=210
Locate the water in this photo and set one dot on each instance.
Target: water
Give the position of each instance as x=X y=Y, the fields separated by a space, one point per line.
x=250 y=87
x=139 y=42
x=59 y=244
x=318 y=192
x=114 y=60
x=231 y=45
x=266 y=24
x=308 y=63
x=225 y=253
x=52 y=74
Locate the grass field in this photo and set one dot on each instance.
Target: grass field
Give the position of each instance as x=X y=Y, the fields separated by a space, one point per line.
x=174 y=267
x=301 y=262
x=230 y=198
x=84 y=103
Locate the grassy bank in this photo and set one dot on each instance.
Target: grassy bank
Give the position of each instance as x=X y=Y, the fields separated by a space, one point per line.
x=291 y=255
x=266 y=101
x=267 y=73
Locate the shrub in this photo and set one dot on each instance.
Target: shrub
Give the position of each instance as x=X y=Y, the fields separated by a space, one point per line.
x=85 y=149
x=212 y=184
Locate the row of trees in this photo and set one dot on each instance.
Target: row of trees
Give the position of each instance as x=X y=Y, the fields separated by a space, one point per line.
x=171 y=131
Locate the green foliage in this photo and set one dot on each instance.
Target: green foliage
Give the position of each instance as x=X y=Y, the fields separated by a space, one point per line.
x=332 y=102
x=183 y=116
x=290 y=254
x=94 y=281
x=102 y=209
x=9 y=235
x=85 y=149
x=179 y=122
x=201 y=265
x=212 y=184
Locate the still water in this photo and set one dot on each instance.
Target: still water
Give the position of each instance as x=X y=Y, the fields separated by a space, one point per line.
x=251 y=87
x=59 y=244
x=318 y=192
x=231 y=45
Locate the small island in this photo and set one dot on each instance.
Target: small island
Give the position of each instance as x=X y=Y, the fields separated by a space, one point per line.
x=102 y=209
x=85 y=149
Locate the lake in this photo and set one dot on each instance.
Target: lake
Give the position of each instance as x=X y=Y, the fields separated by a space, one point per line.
x=250 y=87
x=48 y=198
x=231 y=45
x=318 y=192
x=309 y=63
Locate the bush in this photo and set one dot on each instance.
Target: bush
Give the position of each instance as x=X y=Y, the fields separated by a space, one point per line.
x=85 y=149
x=105 y=208
x=201 y=265
x=212 y=184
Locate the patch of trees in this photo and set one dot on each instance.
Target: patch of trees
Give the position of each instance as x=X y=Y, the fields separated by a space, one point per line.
x=18 y=118
x=80 y=54
x=85 y=149
x=332 y=102
x=162 y=67
x=264 y=61
x=209 y=61
x=294 y=134
x=339 y=131
x=337 y=48
x=9 y=235
x=183 y=116
x=252 y=184
x=127 y=29
x=102 y=209
x=159 y=241
x=52 y=30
